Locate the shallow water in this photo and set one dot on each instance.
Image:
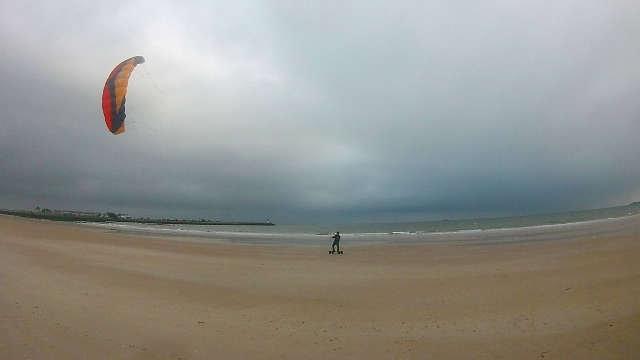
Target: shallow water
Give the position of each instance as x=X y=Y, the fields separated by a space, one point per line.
x=455 y=232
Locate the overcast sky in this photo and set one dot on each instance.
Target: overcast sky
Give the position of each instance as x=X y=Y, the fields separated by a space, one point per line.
x=322 y=111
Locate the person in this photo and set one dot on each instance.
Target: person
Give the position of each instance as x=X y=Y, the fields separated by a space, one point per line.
x=336 y=242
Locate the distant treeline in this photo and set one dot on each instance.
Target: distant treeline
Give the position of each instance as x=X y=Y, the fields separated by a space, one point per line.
x=102 y=219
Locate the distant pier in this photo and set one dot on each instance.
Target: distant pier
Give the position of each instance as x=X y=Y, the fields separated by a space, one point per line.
x=75 y=216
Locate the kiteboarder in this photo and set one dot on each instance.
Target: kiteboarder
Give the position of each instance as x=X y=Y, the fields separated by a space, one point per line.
x=336 y=242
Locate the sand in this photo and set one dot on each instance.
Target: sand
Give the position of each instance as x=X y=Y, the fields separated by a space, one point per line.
x=74 y=292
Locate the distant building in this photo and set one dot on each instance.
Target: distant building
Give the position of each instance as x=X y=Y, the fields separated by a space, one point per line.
x=77 y=213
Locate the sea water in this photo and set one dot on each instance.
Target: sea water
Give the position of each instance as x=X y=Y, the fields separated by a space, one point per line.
x=318 y=234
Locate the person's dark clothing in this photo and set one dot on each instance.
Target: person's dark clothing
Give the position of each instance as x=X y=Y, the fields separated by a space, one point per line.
x=336 y=242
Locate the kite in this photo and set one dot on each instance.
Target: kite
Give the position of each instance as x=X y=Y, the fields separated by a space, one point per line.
x=113 y=95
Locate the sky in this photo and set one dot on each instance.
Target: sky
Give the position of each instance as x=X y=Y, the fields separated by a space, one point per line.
x=322 y=111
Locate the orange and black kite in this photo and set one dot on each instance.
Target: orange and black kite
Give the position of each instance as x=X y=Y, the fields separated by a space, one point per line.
x=113 y=95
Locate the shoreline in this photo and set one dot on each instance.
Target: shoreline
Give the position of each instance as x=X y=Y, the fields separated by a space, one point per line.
x=609 y=226
x=401 y=228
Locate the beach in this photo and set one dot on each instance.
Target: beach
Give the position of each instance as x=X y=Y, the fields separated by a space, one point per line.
x=71 y=291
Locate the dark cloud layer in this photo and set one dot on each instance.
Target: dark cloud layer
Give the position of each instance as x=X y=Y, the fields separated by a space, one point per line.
x=327 y=111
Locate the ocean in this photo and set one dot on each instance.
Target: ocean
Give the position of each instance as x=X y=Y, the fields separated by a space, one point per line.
x=367 y=233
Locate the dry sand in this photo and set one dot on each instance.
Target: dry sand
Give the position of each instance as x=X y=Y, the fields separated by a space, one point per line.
x=74 y=292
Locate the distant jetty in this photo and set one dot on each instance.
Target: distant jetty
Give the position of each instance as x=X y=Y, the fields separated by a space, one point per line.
x=76 y=216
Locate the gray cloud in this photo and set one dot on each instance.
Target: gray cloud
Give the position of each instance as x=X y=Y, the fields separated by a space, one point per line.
x=311 y=112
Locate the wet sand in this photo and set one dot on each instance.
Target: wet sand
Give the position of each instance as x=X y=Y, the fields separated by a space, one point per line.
x=74 y=292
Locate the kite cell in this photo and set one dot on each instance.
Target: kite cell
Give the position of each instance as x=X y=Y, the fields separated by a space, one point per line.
x=113 y=95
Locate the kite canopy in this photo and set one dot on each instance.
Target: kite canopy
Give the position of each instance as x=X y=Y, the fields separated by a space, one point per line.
x=113 y=95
